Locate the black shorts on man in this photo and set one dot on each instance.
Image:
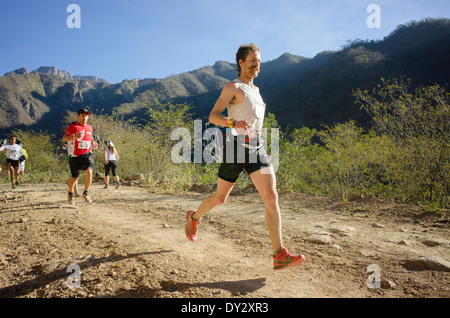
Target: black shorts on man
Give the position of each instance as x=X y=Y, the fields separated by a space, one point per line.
x=241 y=153
x=79 y=163
x=12 y=162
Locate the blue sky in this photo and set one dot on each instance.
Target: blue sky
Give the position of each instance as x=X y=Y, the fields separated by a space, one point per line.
x=127 y=39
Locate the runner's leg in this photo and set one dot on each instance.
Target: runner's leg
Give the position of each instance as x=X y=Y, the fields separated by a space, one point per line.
x=88 y=179
x=72 y=181
x=107 y=168
x=265 y=182
x=16 y=174
x=219 y=197
x=11 y=173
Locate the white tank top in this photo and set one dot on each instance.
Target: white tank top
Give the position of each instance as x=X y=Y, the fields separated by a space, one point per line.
x=251 y=109
x=110 y=156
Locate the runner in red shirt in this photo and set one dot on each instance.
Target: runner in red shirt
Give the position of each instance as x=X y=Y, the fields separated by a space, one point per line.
x=82 y=159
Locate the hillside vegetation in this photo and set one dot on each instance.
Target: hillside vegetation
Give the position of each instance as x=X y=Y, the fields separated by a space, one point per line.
x=369 y=120
x=405 y=156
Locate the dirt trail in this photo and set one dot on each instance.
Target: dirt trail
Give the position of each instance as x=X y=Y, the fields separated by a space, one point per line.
x=131 y=243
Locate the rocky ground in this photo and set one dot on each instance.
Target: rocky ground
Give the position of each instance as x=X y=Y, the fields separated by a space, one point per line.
x=131 y=243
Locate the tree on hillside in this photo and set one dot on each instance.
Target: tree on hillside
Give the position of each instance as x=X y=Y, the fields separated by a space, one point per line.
x=419 y=123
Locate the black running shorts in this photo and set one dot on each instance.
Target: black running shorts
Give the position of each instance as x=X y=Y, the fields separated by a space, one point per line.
x=237 y=158
x=13 y=163
x=79 y=163
x=112 y=165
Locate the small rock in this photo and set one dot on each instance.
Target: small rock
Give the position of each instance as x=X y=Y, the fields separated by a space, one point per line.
x=433 y=263
x=319 y=239
x=370 y=254
x=55 y=221
x=3 y=260
x=387 y=284
x=343 y=231
x=23 y=220
x=433 y=242
x=403 y=242
x=165 y=225
x=378 y=225
x=138 y=177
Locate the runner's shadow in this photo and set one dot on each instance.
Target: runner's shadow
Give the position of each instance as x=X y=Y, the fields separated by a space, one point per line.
x=31 y=207
x=24 y=288
x=241 y=287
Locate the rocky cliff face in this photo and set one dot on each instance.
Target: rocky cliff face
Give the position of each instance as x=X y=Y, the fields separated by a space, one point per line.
x=19 y=71
x=51 y=70
x=26 y=97
x=89 y=78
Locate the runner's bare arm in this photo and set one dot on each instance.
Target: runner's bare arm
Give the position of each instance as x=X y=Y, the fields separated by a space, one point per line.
x=67 y=138
x=216 y=116
x=94 y=143
x=229 y=95
x=105 y=155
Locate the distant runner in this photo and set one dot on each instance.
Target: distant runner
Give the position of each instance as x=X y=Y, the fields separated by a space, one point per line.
x=111 y=158
x=12 y=159
x=82 y=158
x=68 y=146
x=246 y=110
x=23 y=156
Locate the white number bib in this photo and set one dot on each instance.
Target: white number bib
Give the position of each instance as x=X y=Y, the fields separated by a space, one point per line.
x=84 y=144
x=14 y=155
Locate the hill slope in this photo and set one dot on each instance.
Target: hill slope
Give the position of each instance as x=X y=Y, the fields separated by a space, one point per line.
x=299 y=91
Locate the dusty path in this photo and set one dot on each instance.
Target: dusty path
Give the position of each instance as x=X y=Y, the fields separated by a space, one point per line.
x=131 y=243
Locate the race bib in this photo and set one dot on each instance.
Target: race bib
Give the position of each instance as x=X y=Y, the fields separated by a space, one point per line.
x=84 y=144
x=14 y=155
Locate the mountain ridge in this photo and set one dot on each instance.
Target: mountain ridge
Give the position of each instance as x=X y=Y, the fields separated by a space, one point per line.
x=299 y=91
x=52 y=70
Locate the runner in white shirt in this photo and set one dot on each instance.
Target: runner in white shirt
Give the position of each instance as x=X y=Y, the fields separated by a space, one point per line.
x=12 y=158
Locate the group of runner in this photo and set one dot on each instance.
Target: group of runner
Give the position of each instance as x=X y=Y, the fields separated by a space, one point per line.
x=246 y=111
x=15 y=159
x=79 y=141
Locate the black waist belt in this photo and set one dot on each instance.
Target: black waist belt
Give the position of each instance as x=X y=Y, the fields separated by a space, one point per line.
x=249 y=143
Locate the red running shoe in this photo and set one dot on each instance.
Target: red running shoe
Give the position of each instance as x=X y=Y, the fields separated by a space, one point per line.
x=191 y=226
x=283 y=259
